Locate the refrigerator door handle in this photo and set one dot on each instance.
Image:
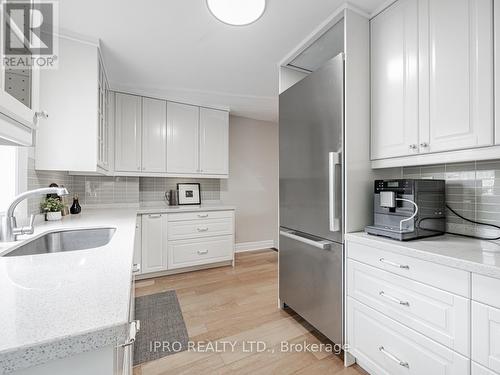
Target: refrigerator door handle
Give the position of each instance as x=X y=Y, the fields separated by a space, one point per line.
x=334 y=160
x=324 y=245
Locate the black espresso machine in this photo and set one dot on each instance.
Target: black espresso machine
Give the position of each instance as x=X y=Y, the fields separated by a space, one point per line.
x=407 y=209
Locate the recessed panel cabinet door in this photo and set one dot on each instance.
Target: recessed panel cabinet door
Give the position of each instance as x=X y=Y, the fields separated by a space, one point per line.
x=182 y=138
x=486 y=336
x=214 y=141
x=154 y=243
x=496 y=23
x=154 y=135
x=394 y=65
x=128 y=133
x=456 y=77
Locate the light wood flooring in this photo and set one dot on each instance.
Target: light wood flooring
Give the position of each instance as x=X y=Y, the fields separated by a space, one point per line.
x=239 y=304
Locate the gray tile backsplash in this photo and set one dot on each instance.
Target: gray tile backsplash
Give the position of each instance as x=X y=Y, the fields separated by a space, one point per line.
x=39 y=179
x=154 y=188
x=109 y=190
x=472 y=189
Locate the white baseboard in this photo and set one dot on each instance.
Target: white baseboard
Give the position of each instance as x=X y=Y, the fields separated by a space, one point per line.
x=253 y=246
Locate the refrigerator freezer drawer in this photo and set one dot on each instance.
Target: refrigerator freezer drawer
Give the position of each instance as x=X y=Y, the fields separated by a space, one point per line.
x=310 y=282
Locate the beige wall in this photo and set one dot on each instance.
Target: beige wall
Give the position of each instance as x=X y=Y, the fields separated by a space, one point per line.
x=253 y=179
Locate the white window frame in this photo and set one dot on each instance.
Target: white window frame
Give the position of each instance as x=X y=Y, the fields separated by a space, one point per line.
x=21 y=178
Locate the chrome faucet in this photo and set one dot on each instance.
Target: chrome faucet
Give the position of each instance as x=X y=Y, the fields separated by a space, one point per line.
x=9 y=229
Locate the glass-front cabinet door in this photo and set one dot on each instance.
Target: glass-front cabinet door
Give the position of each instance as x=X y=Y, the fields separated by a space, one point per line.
x=18 y=78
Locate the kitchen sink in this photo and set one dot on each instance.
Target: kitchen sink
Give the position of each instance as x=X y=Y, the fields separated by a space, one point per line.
x=67 y=240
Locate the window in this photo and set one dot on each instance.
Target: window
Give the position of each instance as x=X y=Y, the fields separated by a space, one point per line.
x=8 y=173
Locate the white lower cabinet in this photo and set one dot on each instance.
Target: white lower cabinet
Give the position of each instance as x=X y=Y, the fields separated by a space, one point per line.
x=410 y=316
x=174 y=241
x=138 y=246
x=486 y=336
x=154 y=243
x=195 y=252
x=439 y=315
x=181 y=230
x=480 y=370
x=384 y=346
x=200 y=238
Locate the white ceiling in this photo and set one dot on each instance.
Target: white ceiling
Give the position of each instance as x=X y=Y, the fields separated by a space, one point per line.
x=176 y=49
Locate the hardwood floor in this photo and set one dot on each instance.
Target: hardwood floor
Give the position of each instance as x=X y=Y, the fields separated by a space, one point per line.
x=240 y=305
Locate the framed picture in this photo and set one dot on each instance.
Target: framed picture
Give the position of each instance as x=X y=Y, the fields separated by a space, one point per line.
x=189 y=194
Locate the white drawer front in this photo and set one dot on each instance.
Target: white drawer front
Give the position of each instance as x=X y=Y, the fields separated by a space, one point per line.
x=480 y=370
x=387 y=347
x=486 y=290
x=182 y=216
x=486 y=336
x=186 y=253
x=440 y=315
x=442 y=277
x=178 y=230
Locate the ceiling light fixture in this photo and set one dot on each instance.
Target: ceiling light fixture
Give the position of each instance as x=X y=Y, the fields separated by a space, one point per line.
x=237 y=12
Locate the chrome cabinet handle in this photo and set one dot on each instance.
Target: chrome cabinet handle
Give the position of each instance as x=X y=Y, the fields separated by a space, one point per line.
x=136 y=268
x=392 y=357
x=424 y=144
x=202 y=252
x=405 y=267
x=135 y=327
x=413 y=147
x=202 y=215
x=333 y=161
x=394 y=299
x=202 y=229
x=154 y=216
x=42 y=115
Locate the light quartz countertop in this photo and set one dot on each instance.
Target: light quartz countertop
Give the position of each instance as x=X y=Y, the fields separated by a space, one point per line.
x=56 y=305
x=477 y=256
x=162 y=207
x=59 y=304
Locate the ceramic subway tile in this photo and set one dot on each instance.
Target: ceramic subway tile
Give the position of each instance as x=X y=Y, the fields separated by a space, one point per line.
x=489 y=217
x=411 y=171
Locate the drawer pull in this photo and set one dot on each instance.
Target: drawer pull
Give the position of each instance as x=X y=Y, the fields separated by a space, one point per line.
x=404 y=267
x=154 y=216
x=202 y=215
x=393 y=357
x=134 y=327
x=394 y=299
x=202 y=252
x=202 y=229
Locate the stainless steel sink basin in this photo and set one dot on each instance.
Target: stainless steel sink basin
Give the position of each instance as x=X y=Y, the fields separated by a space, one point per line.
x=68 y=240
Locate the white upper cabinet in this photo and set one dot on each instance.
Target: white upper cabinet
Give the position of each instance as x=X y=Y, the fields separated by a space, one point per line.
x=496 y=22
x=19 y=101
x=394 y=64
x=128 y=129
x=154 y=135
x=214 y=141
x=456 y=76
x=432 y=78
x=182 y=138
x=74 y=137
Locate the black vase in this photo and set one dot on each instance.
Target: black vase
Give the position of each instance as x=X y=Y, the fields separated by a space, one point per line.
x=75 y=207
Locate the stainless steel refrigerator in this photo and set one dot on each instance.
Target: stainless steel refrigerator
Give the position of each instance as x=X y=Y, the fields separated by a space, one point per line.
x=311 y=129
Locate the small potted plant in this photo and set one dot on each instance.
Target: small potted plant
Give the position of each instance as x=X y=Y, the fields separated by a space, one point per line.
x=52 y=208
